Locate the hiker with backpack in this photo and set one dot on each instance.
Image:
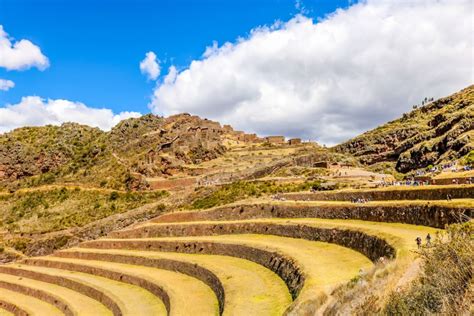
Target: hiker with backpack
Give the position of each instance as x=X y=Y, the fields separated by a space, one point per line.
x=418 y=242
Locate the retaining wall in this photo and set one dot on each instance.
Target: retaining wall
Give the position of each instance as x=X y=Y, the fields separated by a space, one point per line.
x=370 y=246
x=187 y=268
x=41 y=295
x=67 y=283
x=419 y=193
x=12 y=308
x=283 y=266
x=432 y=215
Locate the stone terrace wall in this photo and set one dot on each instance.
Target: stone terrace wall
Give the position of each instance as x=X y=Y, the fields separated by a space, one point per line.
x=67 y=283
x=370 y=246
x=285 y=267
x=15 y=310
x=168 y=184
x=39 y=294
x=423 y=193
x=437 y=216
x=184 y=267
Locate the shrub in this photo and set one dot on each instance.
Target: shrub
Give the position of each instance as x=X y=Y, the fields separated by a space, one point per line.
x=469 y=159
x=113 y=195
x=445 y=279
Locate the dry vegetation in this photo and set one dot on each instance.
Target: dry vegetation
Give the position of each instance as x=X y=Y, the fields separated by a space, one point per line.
x=445 y=283
x=229 y=193
x=239 y=250
x=437 y=132
x=39 y=211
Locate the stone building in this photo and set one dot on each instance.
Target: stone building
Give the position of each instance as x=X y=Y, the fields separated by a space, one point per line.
x=294 y=141
x=227 y=128
x=275 y=139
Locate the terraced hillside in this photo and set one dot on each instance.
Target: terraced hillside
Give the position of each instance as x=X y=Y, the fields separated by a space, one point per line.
x=438 y=132
x=270 y=257
x=77 y=154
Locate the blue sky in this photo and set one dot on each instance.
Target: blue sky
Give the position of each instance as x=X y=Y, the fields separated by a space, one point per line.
x=320 y=70
x=94 y=47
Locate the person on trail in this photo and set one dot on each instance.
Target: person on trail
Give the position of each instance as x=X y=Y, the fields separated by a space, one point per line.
x=418 y=242
x=448 y=197
x=428 y=240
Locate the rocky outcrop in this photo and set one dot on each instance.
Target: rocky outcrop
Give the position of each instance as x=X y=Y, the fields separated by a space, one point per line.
x=32 y=151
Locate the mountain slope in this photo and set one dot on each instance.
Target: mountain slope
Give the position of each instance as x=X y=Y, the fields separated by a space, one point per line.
x=135 y=148
x=440 y=131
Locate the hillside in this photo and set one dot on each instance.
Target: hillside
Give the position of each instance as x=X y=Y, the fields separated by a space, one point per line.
x=163 y=216
x=119 y=159
x=437 y=132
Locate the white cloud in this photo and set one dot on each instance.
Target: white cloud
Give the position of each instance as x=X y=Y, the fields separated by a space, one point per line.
x=150 y=66
x=35 y=111
x=332 y=79
x=299 y=6
x=6 y=85
x=20 y=55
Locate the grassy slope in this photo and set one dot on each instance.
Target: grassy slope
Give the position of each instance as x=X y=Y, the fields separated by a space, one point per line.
x=250 y=289
x=29 y=304
x=430 y=134
x=444 y=285
x=326 y=265
x=37 y=211
x=80 y=304
x=239 y=190
x=131 y=299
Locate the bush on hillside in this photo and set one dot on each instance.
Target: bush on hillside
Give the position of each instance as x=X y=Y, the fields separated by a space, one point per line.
x=469 y=159
x=446 y=277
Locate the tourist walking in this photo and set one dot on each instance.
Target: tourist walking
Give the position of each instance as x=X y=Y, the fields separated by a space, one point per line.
x=418 y=242
x=428 y=240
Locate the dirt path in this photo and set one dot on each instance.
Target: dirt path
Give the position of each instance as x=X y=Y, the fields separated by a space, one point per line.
x=410 y=274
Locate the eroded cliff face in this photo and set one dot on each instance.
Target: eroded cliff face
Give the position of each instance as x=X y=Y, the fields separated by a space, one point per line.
x=440 y=131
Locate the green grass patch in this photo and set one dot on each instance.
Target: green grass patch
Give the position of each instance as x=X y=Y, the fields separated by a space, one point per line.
x=40 y=211
x=239 y=190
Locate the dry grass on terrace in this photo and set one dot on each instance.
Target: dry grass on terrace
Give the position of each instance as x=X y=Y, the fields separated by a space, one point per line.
x=250 y=289
x=131 y=299
x=325 y=265
x=27 y=303
x=186 y=293
x=80 y=304
x=462 y=203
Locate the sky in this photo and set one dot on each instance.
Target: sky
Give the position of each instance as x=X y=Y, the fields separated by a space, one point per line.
x=316 y=69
